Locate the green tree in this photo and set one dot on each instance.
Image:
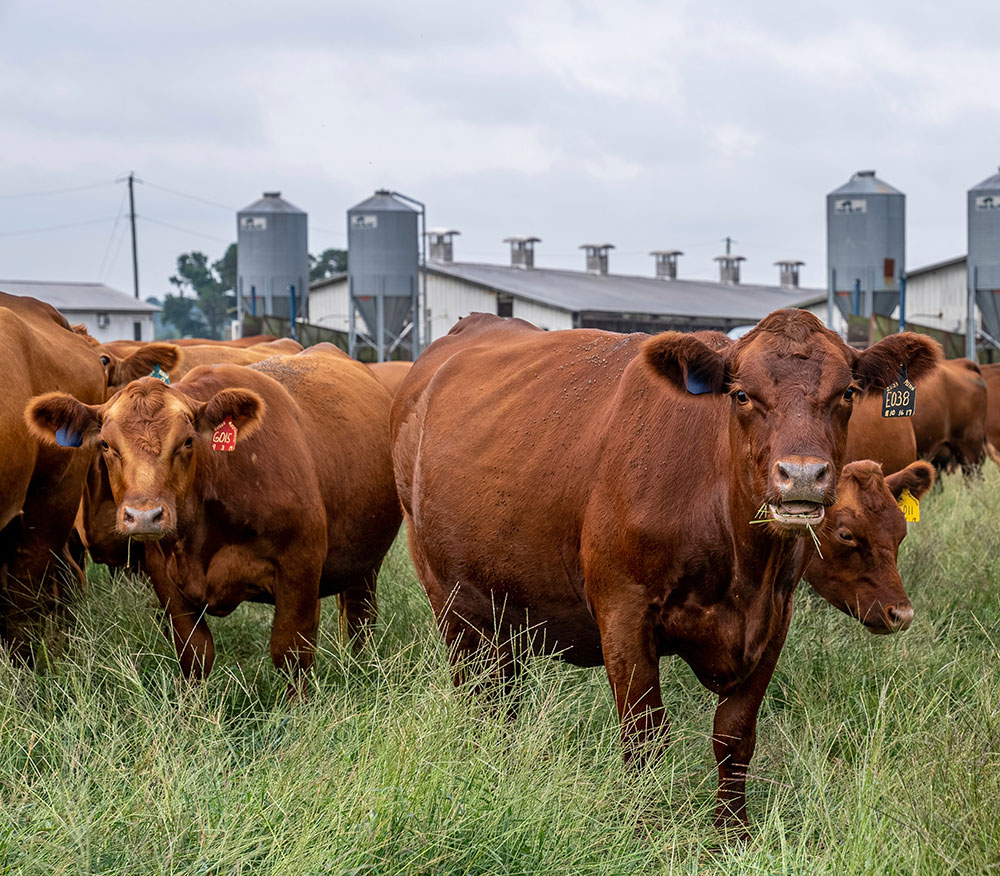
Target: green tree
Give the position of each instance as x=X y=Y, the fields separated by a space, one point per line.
x=212 y=298
x=327 y=264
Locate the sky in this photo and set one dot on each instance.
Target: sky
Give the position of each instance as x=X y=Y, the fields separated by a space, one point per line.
x=650 y=125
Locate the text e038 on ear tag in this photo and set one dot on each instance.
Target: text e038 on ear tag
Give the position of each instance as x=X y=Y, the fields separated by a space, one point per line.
x=224 y=436
x=899 y=399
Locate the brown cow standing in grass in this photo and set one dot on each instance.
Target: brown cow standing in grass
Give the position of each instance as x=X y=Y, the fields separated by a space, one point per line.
x=391 y=374
x=949 y=420
x=304 y=505
x=634 y=496
x=40 y=485
x=991 y=377
x=855 y=566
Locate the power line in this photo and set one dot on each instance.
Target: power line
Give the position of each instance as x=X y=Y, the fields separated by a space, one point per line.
x=185 y=230
x=55 y=227
x=111 y=239
x=56 y=191
x=191 y=197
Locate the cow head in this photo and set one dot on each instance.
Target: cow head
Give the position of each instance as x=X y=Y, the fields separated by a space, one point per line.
x=859 y=545
x=791 y=383
x=151 y=437
x=122 y=369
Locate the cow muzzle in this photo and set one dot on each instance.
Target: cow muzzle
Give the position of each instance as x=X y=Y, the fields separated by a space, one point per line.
x=804 y=486
x=143 y=520
x=892 y=619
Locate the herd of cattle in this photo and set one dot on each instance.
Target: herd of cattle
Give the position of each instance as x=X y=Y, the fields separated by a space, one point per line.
x=622 y=497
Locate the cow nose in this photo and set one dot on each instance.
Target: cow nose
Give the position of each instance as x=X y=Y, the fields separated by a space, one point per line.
x=143 y=521
x=900 y=616
x=803 y=481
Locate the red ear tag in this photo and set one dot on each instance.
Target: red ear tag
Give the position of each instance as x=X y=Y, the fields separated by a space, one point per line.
x=224 y=436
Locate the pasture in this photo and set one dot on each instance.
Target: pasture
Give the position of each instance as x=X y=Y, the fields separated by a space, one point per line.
x=875 y=754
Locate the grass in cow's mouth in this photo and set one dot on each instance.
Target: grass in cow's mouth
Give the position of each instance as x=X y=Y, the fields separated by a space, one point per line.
x=764 y=516
x=874 y=753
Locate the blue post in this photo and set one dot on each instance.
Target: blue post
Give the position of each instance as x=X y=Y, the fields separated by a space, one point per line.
x=253 y=300
x=902 y=302
x=291 y=310
x=857 y=297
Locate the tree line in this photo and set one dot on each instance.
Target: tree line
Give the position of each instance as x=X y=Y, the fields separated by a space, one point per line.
x=205 y=300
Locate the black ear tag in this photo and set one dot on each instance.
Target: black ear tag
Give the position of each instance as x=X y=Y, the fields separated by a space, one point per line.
x=899 y=399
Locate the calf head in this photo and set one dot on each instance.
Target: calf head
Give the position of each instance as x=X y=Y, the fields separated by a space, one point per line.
x=791 y=383
x=859 y=545
x=151 y=437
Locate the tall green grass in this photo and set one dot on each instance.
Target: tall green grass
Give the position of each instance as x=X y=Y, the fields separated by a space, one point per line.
x=875 y=754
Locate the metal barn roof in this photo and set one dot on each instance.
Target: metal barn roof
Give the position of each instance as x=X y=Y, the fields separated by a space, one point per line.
x=576 y=291
x=78 y=297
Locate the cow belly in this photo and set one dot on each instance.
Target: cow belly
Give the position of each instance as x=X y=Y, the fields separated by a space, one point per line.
x=237 y=574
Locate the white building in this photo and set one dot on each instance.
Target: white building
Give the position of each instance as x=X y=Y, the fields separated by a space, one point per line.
x=560 y=299
x=937 y=296
x=108 y=314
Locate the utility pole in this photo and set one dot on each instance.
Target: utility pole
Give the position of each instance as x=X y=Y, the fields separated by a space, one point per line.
x=132 y=179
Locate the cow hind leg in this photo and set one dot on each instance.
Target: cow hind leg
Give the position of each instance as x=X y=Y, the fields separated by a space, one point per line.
x=358 y=608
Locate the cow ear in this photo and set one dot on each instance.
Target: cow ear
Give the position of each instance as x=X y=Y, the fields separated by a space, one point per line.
x=917 y=477
x=243 y=406
x=59 y=419
x=686 y=362
x=879 y=366
x=142 y=362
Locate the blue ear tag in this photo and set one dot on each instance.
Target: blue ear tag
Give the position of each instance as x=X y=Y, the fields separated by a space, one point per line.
x=695 y=385
x=159 y=374
x=68 y=439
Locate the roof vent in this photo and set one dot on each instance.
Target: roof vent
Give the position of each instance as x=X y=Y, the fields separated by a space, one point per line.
x=865 y=173
x=788 y=273
x=666 y=263
x=597 y=257
x=729 y=268
x=522 y=250
x=272 y=194
x=440 y=241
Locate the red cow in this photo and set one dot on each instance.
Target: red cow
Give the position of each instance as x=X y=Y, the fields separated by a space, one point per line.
x=303 y=505
x=634 y=496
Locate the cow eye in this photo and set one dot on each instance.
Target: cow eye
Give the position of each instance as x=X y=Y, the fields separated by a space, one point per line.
x=104 y=445
x=849 y=393
x=845 y=536
x=189 y=442
x=742 y=397
x=105 y=360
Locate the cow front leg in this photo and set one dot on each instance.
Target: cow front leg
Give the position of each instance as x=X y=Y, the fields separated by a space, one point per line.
x=190 y=633
x=293 y=634
x=734 y=736
x=633 y=668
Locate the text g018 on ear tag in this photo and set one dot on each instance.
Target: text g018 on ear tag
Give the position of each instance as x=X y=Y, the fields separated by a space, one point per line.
x=899 y=399
x=224 y=436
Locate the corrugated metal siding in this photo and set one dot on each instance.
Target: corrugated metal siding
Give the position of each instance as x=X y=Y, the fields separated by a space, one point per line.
x=937 y=299
x=329 y=307
x=548 y=318
x=448 y=300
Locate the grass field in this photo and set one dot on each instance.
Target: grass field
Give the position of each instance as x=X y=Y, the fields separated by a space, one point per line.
x=875 y=754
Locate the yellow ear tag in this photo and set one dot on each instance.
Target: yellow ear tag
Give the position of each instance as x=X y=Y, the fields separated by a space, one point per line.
x=910 y=506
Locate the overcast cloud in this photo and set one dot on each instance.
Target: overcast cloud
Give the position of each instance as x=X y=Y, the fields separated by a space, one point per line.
x=646 y=124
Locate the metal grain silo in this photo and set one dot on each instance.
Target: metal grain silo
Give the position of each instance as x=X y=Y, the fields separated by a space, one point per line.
x=382 y=267
x=272 y=258
x=865 y=244
x=984 y=251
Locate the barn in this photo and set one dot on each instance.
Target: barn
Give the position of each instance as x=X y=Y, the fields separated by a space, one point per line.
x=108 y=314
x=589 y=298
